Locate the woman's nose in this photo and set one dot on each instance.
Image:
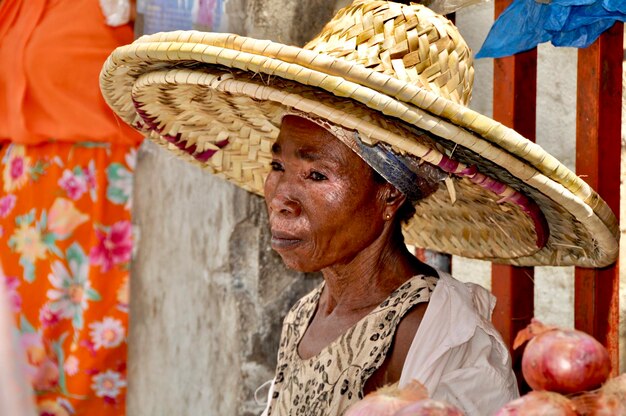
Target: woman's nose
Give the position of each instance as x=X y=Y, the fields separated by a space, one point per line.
x=284 y=202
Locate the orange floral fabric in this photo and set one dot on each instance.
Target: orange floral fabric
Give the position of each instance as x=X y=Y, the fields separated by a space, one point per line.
x=65 y=247
x=66 y=169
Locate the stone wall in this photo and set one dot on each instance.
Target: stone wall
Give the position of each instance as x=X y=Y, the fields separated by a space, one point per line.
x=208 y=294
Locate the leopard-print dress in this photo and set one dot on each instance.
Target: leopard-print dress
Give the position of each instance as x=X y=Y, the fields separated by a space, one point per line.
x=328 y=383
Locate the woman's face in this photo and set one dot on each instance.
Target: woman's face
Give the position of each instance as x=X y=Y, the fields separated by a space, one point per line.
x=324 y=205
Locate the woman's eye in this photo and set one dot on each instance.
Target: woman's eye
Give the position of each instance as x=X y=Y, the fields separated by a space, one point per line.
x=276 y=166
x=316 y=176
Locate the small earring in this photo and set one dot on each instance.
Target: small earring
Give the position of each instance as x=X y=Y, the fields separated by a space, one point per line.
x=388 y=217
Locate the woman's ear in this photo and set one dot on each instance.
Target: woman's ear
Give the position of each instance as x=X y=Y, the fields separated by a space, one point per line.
x=393 y=201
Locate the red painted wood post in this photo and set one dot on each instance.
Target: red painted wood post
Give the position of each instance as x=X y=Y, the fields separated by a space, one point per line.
x=514 y=105
x=598 y=149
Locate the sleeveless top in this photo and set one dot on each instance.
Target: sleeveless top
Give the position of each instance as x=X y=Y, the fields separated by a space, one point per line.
x=329 y=382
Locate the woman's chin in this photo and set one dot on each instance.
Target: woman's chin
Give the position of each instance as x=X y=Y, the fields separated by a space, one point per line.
x=298 y=263
x=299 y=267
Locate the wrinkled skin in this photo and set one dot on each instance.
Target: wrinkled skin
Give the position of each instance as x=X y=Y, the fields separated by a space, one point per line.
x=323 y=203
x=327 y=213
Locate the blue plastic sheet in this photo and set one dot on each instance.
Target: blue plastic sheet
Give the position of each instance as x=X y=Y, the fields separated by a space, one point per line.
x=527 y=23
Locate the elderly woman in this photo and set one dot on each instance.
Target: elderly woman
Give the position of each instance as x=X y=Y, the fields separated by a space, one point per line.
x=330 y=211
x=360 y=142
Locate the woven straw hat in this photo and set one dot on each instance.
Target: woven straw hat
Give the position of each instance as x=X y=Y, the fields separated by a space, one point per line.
x=399 y=75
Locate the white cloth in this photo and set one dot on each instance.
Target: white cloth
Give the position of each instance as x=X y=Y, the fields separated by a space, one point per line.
x=457 y=353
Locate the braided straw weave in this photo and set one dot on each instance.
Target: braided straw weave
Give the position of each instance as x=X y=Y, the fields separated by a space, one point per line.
x=398 y=74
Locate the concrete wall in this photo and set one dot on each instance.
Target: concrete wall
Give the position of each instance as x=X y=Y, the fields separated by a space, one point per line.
x=208 y=293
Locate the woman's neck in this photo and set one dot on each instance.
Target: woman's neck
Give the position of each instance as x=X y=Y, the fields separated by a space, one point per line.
x=368 y=278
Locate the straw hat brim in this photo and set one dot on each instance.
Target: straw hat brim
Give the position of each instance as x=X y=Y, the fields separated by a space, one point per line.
x=224 y=96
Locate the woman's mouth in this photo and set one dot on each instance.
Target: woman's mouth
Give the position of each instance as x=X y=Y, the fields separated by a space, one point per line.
x=283 y=241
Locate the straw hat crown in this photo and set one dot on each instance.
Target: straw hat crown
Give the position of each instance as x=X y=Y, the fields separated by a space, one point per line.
x=409 y=42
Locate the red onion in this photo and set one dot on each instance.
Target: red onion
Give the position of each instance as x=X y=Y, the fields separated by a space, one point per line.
x=429 y=407
x=614 y=395
x=387 y=400
x=562 y=360
x=610 y=400
x=539 y=403
x=609 y=406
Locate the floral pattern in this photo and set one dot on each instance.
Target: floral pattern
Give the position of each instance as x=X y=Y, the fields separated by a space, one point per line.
x=108 y=384
x=33 y=239
x=54 y=408
x=72 y=289
x=28 y=240
x=65 y=247
x=15 y=300
x=114 y=246
x=16 y=167
x=7 y=203
x=63 y=218
x=42 y=368
x=48 y=317
x=123 y=295
x=120 y=179
x=108 y=333
x=74 y=184
x=71 y=365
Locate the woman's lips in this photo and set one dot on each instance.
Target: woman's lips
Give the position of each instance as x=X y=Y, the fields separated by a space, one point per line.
x=283 y=240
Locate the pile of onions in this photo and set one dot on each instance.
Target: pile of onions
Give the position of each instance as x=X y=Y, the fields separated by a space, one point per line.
x=610 y=400
x=564 y=361
x=411 y=400
x=387 y=400
x=559 y=362
x=539 y=403
x=429 y=407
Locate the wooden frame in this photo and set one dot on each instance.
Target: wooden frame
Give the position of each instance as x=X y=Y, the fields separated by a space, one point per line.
x=598 y=149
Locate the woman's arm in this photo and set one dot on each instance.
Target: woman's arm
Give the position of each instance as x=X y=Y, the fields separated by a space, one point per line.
x=389 y=372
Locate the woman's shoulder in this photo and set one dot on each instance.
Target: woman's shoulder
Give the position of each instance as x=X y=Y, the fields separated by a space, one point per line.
x=304 y=306
x=415 y=290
